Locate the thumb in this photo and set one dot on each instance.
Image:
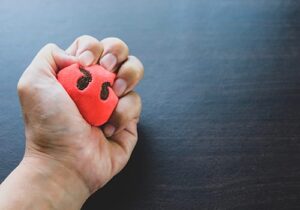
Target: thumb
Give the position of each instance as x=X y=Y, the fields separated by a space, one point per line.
x=50 y=59
x=42 y=98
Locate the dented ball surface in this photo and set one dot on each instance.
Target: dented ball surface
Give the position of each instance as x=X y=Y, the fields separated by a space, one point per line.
x=90 y=89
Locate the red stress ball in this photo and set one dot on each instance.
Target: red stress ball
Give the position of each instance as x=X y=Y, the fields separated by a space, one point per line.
x=90 y=89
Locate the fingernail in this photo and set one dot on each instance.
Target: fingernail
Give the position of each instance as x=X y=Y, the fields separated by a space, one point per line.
x=109 y=130
x=109 y=61
x=86 y=58
x=119 y=87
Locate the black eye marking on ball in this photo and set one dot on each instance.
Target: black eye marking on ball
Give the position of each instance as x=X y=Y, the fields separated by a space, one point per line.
x=104 y=90
x=84 y=81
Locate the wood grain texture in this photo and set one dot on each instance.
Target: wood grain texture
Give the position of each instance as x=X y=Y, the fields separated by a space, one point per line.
x=221 y=119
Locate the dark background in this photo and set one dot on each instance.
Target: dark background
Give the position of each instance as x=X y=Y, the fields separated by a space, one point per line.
x=220 y=126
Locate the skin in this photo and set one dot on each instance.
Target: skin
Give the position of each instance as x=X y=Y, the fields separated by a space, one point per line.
x=66 y=159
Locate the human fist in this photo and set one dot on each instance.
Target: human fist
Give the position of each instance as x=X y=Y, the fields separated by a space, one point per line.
x=59 y=138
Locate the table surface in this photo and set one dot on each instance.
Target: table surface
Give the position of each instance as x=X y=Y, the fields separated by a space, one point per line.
x=220 y=126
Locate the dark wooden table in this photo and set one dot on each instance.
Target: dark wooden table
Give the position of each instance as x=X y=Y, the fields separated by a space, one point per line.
x=221 y=120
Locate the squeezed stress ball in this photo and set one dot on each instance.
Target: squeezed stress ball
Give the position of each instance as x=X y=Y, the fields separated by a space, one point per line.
x=90 y=89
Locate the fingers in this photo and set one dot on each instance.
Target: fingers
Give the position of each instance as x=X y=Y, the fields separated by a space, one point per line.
x=121 y=147
x=115 y=52
x=87 y=48
x=112 y=52
x=128 y=110
x=129 y=75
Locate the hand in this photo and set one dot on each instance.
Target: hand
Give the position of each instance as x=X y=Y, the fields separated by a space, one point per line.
x=57 y=137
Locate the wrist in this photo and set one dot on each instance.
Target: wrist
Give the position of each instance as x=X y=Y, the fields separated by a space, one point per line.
x=42 y=183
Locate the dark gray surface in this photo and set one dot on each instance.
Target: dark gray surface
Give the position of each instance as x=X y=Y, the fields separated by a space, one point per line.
x=221 y=119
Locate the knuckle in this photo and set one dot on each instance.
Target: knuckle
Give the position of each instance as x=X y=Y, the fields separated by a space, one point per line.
x=138 y=102
x=22 y=86
x=50 y=46
x=137 y=61
x=87 y=38
x=86 y=42
x=141 y=67
x=122 y=118
x=131 y=73
x=137 y=97
x=118 y=44
x=137 y=68
x=139 y=105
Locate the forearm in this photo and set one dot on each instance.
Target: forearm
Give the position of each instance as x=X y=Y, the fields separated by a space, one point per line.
x=37 y=184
